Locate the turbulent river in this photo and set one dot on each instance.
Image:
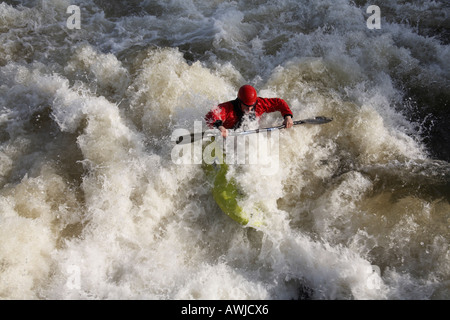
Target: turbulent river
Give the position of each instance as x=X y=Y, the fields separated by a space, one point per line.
x=93 y=205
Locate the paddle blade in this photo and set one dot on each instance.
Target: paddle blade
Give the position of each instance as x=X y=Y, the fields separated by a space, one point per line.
x=315 y=120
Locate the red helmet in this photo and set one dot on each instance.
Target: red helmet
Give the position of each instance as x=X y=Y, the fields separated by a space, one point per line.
x=247 y=94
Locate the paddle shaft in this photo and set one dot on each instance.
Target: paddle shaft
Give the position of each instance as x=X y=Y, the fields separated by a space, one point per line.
x=196 y=136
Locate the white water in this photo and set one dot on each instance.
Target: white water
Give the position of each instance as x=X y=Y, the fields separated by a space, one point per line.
x=92 y=206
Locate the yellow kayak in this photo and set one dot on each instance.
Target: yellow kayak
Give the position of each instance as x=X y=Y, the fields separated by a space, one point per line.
x=227 y=192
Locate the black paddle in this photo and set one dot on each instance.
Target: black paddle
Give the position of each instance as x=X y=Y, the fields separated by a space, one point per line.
x=196 y=136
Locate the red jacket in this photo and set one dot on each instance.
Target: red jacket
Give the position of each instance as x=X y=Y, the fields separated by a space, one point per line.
x=229 y=114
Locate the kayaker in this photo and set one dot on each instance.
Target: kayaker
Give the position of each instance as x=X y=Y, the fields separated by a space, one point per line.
x=230 y=115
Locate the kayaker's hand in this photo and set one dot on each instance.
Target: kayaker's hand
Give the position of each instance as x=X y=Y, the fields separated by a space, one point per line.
x=288 y=122
x=223 y=131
